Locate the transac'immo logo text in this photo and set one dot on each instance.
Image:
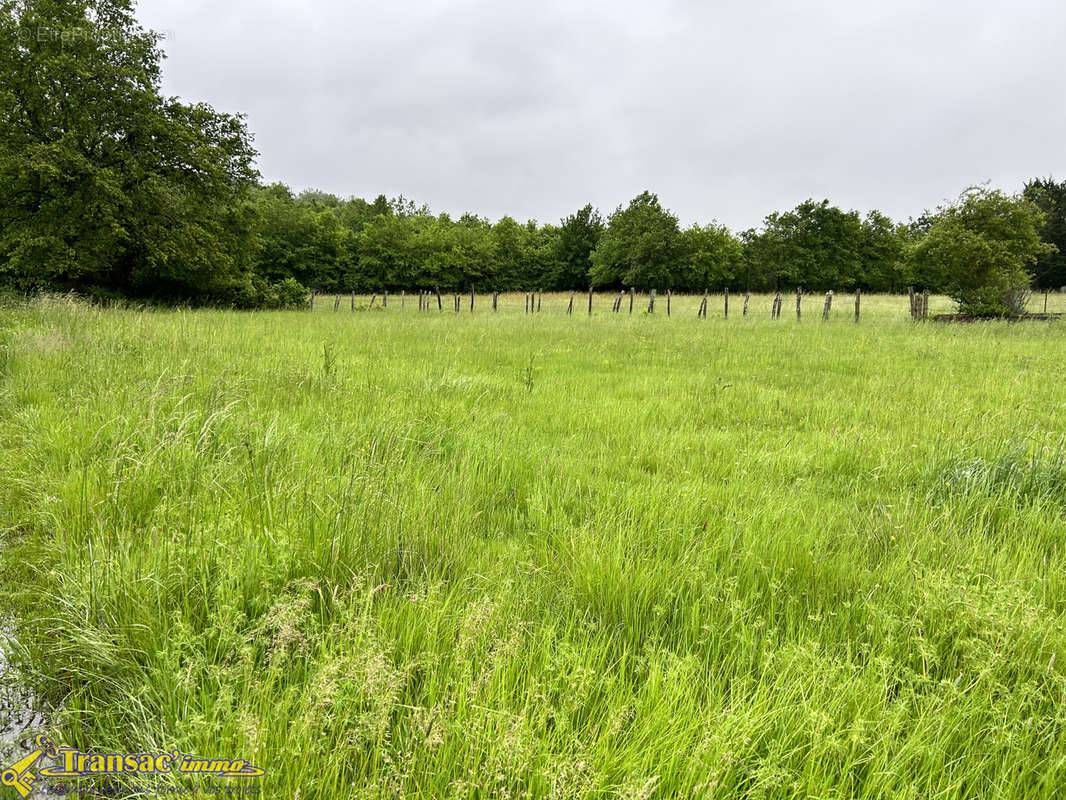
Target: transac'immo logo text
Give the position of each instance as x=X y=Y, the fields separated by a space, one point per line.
x=66 y=762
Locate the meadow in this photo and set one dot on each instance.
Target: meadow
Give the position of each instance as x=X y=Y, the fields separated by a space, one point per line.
x=387 y=553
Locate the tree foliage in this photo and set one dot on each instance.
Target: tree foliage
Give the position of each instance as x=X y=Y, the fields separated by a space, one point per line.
x=711 y=257
x=815 y=246
x=1049 y=195
x=104 y=183
x=881 y=255
x=577 y=239
x=981 y=246
x=641 y=246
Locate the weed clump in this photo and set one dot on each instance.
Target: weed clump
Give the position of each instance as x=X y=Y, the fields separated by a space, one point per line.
x=1015 y=471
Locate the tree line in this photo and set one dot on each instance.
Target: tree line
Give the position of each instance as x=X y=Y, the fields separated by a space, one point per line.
x=110 y=189
x=356 y=245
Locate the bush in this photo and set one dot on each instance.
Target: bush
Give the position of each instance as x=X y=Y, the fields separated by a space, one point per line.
x=290 y=294
x=980 y=247
x=255 y=292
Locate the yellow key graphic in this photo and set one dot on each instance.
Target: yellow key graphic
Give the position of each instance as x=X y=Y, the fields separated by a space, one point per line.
x=18 y=775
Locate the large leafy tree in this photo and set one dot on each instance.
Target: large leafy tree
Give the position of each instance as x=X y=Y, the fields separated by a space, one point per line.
x=509 y=262
x=641 y=246
x=578 y=237
x=473 y=249
x=387 y=248
x=982 y=246
x=1050 y=196
x=541 y=257
x=302 y=238
x=711 y=258
x=451 y=254
x=104 y=183
x=756 y=270
x=816 y=246
x=881 y=250
x=282 y=236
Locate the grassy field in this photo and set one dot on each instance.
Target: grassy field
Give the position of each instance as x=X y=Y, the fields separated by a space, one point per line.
x=393 y=554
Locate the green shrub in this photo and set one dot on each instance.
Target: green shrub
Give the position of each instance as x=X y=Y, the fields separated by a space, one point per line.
x=980 y=247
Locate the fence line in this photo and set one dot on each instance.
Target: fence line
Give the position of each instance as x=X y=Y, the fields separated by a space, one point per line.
x=918 y=302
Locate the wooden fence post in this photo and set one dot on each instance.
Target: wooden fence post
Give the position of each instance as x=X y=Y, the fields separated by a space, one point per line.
x=925 y=304
x=799 y=298
x=727 y=302
x=372 y=299
x=495 y=298
x=540 y=293
x=651 y=303
x=385 y=299
x=403 y=298
x=632 y=293
x=669 y=295
x=337 y=302
x=440 y=304
x=775 y=313
x=471 y=299
x=570 y=308
x=828 y=305
x=353 y=301
x=910 y=293
x=312 y=299
x=590 y=301
x=858 y=297
x=702 y=310
x=747 y=297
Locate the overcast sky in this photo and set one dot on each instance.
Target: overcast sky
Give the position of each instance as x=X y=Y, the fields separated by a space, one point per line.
x=727 y=110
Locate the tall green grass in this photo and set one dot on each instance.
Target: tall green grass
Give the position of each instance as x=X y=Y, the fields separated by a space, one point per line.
x=386 y=554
